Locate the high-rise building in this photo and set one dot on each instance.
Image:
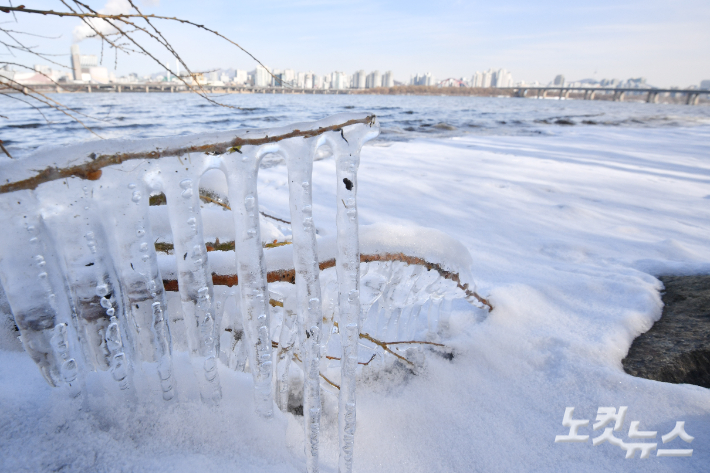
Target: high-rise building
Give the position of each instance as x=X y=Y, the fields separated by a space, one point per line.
x=424 y=79
x=373 y=80
x=359 y=80
x=76 y=61
x=289 y=78
x=477 y=79
x=86 y=67
x=261 y=77
x=559 y=80
x=488 y=78
x=705 y=84
x=301 y=80
x=338 y=80
x=240 y=77
x=502 y=78
x=387 y=79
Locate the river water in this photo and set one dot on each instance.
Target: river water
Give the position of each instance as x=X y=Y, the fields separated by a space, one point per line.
x=139 y=115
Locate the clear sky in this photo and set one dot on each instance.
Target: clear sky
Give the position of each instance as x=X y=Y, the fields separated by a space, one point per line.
x=668 y=42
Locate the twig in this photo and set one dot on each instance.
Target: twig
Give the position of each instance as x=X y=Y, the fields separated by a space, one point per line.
x=21 y=88
x=12 y=96
x=289 y=275
x=207 y=198
x=274 y=218
x=82 y=170
x=126 y=16
x=410 y=342
x=297 y=358
x=214 y=201
x=384 y=346
x=359 y=362
x=2 y=146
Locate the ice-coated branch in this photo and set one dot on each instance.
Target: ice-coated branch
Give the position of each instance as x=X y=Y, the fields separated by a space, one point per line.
x=289 y=275
x=91 y=170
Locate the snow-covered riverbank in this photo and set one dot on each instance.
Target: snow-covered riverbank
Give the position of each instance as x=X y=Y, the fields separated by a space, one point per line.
x=566 y=232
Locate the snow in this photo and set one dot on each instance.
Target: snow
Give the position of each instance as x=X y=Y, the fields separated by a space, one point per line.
x=566 y=234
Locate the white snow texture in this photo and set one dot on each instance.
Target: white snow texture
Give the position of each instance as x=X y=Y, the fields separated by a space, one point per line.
x=563 y=233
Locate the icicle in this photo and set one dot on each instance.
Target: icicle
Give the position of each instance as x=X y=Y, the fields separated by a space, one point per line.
x=194 y=276
x=91 y=279
x=299 y=159
x=124 y=214
x=242 y=169
x=346 y=150
x=34 y=287
x=287 y=342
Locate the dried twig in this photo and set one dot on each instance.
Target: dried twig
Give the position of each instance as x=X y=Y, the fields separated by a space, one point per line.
x=2 y=147
x=207 y=198
x=88 y=169
x=289 y=275
x=297 y=358
x=126 y=16
x=359 y=362
x=415 y=342
x=50 y=102
x=384 y=346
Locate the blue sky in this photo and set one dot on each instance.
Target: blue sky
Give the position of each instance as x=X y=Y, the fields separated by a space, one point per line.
x=666 y=42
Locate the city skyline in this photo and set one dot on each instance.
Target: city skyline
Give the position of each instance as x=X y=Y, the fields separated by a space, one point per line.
x=85 y=68
x=604 y=41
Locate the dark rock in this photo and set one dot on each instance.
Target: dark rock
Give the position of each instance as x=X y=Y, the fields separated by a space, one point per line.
x=677 y=348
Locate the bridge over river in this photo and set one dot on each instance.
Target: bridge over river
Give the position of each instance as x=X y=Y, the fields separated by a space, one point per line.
x=617 y=93
x=691 y=96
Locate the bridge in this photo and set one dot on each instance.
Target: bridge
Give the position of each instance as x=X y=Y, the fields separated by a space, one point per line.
x=163 y=87
x=617 y=93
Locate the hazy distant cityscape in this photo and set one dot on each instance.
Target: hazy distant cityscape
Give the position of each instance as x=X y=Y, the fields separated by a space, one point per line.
x=87 y=70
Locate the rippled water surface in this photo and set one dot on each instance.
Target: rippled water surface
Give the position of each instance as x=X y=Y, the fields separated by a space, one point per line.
x=139 y=115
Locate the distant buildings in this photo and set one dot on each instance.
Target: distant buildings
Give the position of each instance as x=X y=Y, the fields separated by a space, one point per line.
x=705 y=84
x=85 y=67
x=424 y=79
x=240 y=77
x=261 y=77
x=358 y=80
x=482 y=79
x=338 y=80
x=373 y=80
x=492 y=78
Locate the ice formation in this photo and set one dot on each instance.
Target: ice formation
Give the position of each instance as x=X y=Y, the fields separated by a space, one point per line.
x=90 y=292
x=81 y=275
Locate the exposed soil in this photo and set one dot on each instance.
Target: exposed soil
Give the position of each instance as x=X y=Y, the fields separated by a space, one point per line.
x=677 y=348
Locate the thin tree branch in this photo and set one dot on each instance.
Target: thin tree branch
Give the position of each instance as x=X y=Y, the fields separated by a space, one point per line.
x=5 y=150
x=123 y=33
x=359 y=362
x=90 y=168
x=126 y=16
x=21 y=88
x=413 y=342
x=32 y=34
x=12 y=96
